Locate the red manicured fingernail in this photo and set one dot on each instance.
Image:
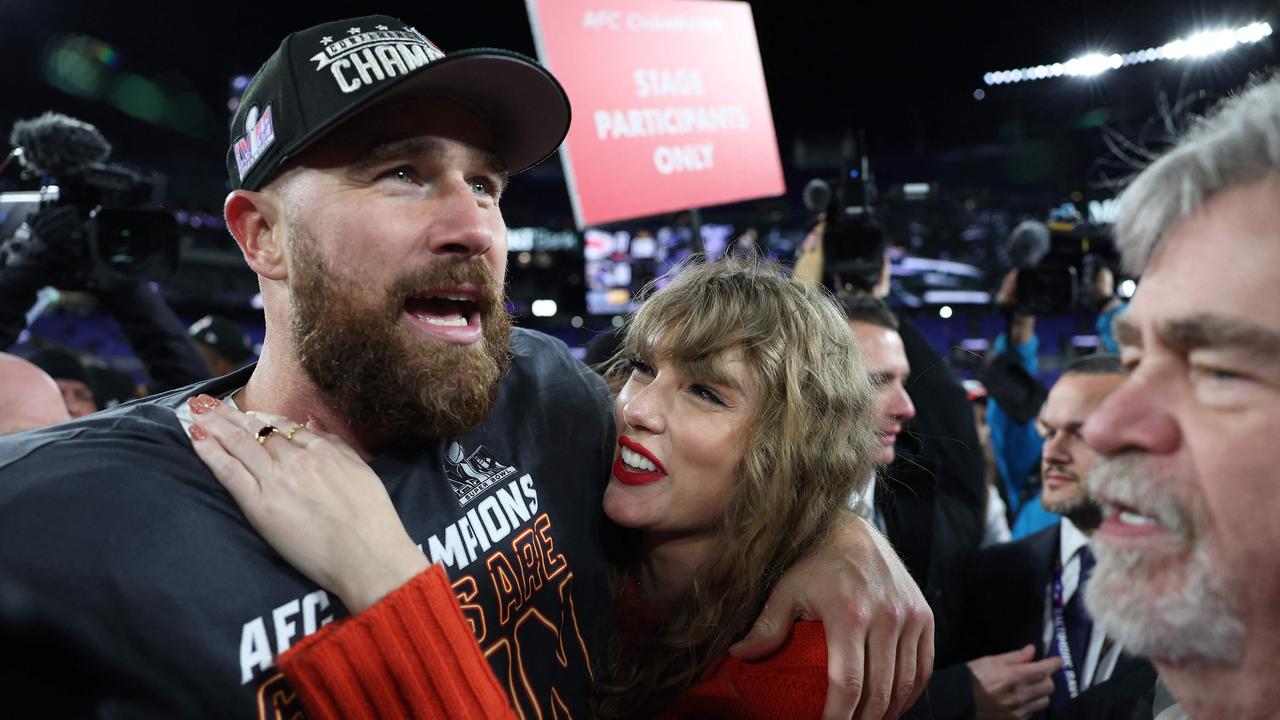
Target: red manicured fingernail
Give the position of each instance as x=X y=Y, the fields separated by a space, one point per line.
x=197 y=433
x=202 y=403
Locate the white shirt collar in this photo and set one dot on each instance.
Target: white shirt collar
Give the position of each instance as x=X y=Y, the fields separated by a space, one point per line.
x=1070 y=540
x=183 y=411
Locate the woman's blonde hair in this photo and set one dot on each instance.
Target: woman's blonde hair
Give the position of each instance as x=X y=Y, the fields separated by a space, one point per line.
x=809 y=448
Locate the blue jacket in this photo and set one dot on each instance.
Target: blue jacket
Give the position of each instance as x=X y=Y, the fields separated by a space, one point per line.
x=1017 y=448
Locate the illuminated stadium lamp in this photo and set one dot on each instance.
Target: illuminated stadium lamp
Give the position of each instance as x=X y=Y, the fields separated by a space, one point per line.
x=1199 y=45
x=1127 y=288
x=1092 y=64
x=543 y=308
x=944 y=312
x=1208 y=43
x=1253 y=33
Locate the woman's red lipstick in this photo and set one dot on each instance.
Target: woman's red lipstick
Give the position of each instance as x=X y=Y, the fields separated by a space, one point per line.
x=626 y=475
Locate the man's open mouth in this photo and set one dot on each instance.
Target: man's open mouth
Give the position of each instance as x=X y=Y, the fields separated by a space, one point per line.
x=452 y=315
x=1120 y=520
x=1130 y=516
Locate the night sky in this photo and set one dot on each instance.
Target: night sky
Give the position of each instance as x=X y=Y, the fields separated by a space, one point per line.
x=904 y=72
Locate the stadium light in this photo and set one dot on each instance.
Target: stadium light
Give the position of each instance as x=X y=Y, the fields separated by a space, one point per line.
x=1193 y=47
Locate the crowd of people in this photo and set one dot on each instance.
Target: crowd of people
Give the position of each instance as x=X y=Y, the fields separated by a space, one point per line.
x=765 y=500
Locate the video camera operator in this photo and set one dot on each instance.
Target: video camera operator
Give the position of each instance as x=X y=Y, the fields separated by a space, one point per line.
x=96 y=227
x=1059 y=267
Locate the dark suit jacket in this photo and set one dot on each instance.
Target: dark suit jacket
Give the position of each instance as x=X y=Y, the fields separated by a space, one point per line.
x=1001 y=606
x=933 y=495
x=1126 y=695
x=998 y=607
x=1003 y=597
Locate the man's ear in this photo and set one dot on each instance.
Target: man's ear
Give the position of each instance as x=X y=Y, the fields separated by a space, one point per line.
x=254 y=221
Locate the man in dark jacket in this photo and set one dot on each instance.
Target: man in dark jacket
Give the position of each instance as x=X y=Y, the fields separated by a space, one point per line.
x=929 y=492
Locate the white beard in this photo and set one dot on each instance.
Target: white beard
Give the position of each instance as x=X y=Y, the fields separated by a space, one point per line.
x=1138 y=600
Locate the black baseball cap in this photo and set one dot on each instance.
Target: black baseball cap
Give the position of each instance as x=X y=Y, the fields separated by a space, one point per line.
x=224 y=335
x=110 y=386
x=60 y=364
x=321 y=76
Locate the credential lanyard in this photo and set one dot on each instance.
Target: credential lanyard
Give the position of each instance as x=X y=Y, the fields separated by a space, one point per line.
x=1060 y=632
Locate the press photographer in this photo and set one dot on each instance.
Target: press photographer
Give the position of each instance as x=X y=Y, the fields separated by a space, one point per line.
x=1063 y=266
x=845 y=247
x=96 y=227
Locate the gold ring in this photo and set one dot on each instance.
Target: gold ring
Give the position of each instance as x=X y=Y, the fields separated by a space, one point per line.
x=265 y=432
x=288 y=435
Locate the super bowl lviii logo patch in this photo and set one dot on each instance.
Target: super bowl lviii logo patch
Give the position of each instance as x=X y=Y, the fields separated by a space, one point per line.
x=470 y=475
x=366 y=57
x=259 y=134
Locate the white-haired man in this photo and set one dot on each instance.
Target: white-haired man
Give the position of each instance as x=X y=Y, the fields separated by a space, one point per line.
x=1188 y=569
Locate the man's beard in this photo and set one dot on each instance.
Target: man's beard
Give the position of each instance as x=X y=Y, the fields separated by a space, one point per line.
x=1172 y=615
x=378 y=373
x=1080 y=509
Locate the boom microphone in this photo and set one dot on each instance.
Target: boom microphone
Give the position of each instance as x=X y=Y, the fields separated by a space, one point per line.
x=55 y=144
x=1028 y=243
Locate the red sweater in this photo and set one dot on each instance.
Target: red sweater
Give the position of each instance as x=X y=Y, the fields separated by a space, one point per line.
x=790 y=684
x=412 y=655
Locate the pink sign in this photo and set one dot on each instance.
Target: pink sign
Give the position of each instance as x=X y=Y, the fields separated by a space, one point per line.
x=670 y=109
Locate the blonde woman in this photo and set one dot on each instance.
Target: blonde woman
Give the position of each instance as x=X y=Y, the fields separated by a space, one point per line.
x=743 y=427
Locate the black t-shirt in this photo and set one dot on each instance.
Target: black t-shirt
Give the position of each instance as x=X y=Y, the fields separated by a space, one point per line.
x=132 y=585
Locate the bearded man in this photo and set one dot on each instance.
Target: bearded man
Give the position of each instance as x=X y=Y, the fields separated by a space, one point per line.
x=1028 y=646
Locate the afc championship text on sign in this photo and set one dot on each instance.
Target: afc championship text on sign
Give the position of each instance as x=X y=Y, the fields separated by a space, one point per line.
x=670 y=105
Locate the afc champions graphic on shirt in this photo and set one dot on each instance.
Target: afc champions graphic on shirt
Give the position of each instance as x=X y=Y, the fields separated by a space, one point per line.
x=512 y=582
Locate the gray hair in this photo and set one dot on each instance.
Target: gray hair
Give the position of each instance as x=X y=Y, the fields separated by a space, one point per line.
x=1237 y=143
x=1095 y=364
